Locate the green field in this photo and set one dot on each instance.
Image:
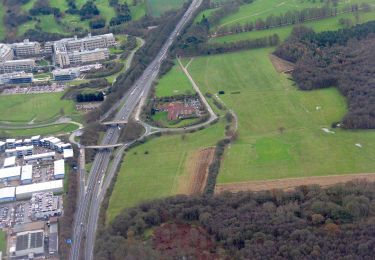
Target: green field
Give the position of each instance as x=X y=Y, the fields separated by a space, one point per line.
x=53 y=129
x=173 y=83
x=26 y=7
x=158 y=7
x=2 y=26
x=49 y=24
x=280 y=128
x=160 y=172
x=34 y=107
x=261 y=9
x=327 y=24
x=105 y=9
x=3 y=242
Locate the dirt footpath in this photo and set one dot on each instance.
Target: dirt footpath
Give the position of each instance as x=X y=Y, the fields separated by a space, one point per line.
x=198 y=171
x=291 y=183
x=281 y=66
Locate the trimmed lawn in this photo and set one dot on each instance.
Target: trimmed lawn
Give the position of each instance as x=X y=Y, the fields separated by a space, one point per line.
x=162 y=117
x=38 y=107
x=173 y=83
x=158 y=7
x=328 y=24
x=105 y=10
x=25 y=27
x=3 y=242
x=49 y=24
x=280 y=127
x=2 y=26
x=54 y=129
x=160 y=172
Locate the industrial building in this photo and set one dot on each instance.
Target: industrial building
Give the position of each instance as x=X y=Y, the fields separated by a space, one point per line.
x=6 y=53
x=59 y=169
x=10 y=66
x=2 y=146
x=26 y=191
x=68 y=153
x=29 y=244
x=39 y=157
x=10 y=174
x=53 y=239
x=26 y=48
x=35 y=139
x=9 y=162
x=65 y=74
x=20 y=151
x=7 y=194
x=16 y=78
x=27 y=174
x=10 y=143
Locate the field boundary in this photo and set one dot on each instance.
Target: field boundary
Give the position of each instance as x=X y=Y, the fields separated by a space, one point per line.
x=281 y=65
x=291 y=183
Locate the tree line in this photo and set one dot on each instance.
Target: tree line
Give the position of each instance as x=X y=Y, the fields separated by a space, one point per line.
x=344 y=59
x=90 y=97
x=307 y=223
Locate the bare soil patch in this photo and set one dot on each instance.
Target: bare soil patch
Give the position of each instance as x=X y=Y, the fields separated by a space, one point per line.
x=198 y=170
x=291 y=183
x=281 y=66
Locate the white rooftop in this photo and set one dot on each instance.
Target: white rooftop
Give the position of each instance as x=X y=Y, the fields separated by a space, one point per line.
x=68 y=153
x=10 y=161
x=39 y=187
x=39 y=156
x=27 y=172
x=7 y=192
x=59 y=167
x=10 y=172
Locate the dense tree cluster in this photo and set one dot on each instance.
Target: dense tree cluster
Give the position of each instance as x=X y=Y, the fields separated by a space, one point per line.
x=308 y=223
x=42 y=7
x=90 y=97
x=88 y=10
x=344 y=59
x=123 y=13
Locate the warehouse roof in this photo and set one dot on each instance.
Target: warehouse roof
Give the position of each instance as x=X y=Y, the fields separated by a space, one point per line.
x=10 y=161
x=39 y=187
x=68 y=153
x=39 y=156
x=27 y=172
x=59 y=167
x=7 y=192
x=10 y=172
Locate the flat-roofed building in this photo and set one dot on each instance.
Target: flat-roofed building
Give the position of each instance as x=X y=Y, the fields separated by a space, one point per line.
x=81 y=57
x=27 y=142
x=10 y=174
x=90 y=42
x=7 y=194
x=16 y=78
x=27 y=174
x=39 y=157
x=6 y=53
x=2 y=146
x=30 y=244
x=59 y=169
x=10 y=162
x=20 y=151
x=26 y=191
x=10 y=66
x=53 y=239
x=10 y=143
x=68 y=153
x=26 y=48
x=65 y=74
x=35 y=139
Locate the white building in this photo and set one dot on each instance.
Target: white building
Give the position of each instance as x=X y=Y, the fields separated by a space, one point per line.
x=7 y=194
x=2 y=146
x=10 y=162
x=16 y=78
x=10 y=174
x=39 y=157
x=65 y=74
x=26 y=48
x=10 y=66
x=59 y=169
x=6 y=53
x=35 y=140
x=64 y=59
x=20 y=151
x=10 y=143
x=90 y=42
x=68 y=153
x=26 y=191
x=27 y=174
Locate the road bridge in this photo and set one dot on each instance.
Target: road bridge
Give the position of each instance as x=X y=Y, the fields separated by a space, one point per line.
x=116 y=122
x=105 y=146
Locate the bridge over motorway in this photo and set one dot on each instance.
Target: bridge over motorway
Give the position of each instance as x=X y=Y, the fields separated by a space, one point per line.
x=117 y=122
x=107 y=146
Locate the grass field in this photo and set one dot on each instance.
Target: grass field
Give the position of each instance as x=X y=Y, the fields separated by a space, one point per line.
x=160 y=172
x=158 y=7
x=49 y=24
x=105 y=9
x=174 y=82
x=26 y=7
x=2 y=26
x=280 y=129
x=331 y=23
x=3 y=242
x=36 y=107
x=261 y=9
x=54 y=129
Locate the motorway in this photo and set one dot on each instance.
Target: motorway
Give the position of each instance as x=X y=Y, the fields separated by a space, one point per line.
x=92 y=194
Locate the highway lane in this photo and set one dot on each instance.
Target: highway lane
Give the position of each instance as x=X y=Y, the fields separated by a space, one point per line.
x=89 y=205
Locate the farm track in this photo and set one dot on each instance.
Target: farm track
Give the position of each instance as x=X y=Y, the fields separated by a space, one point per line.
x=291 y=183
